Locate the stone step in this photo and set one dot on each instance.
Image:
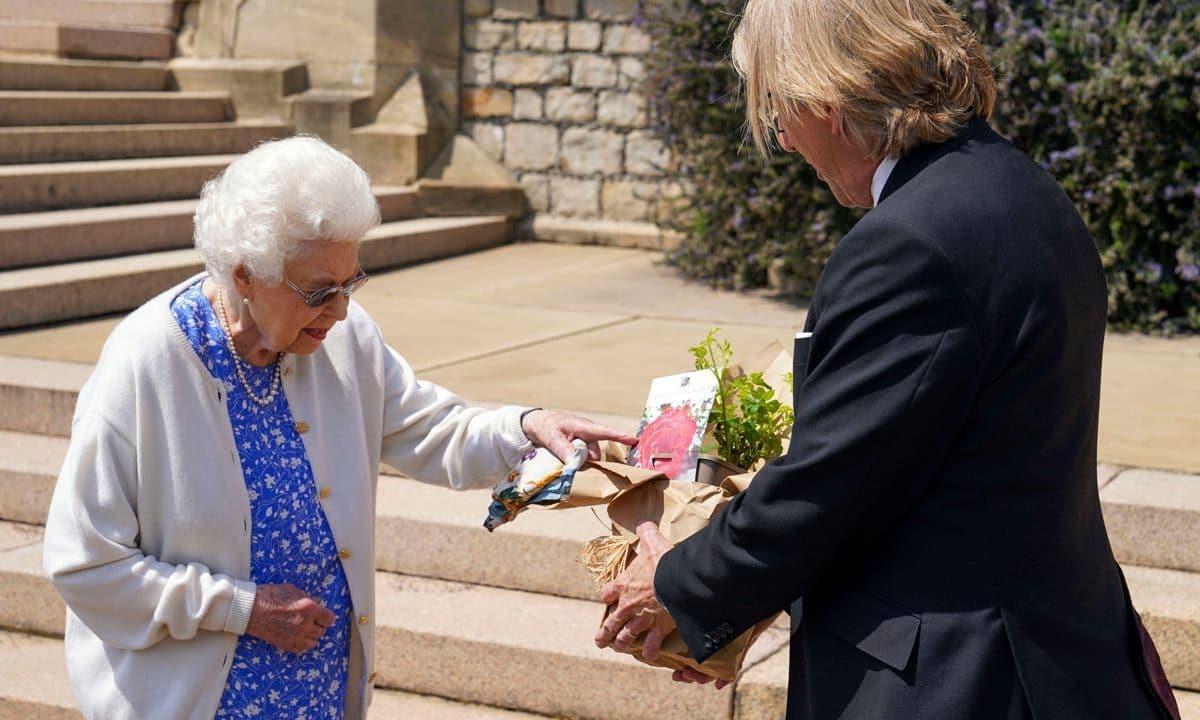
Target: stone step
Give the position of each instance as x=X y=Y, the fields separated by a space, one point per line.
x=34 y=685
x=436 y=532
x=498 y=642
x=38 y=396
x=73 y=39
x=29 y=73
x=1169 y=603
x=68 y=143
x=60 y=236
x=1153 y=518
x=39 y=295
x=111 y=107
x=31 y=464
x=421 y=529
x=137 y=13
x=56 y=186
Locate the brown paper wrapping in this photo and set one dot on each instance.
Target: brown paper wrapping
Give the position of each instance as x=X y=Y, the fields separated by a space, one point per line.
x=633 y=496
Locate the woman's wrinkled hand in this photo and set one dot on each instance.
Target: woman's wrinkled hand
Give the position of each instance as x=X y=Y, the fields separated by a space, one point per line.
x=288 y=618
x=555 y=430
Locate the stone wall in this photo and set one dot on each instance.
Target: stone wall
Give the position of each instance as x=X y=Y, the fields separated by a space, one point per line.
x=551 y=89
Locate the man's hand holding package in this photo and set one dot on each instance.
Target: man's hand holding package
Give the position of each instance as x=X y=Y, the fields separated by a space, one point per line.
x=637 y=608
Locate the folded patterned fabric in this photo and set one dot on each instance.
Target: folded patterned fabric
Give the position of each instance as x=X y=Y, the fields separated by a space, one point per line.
x=539 y=479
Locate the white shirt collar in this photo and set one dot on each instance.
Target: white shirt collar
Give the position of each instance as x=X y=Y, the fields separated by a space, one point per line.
x=882 y=173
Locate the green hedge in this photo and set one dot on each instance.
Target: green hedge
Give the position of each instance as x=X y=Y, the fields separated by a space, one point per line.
x=1103 y=93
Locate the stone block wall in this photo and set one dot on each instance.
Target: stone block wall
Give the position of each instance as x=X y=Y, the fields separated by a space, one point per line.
x=551 y=89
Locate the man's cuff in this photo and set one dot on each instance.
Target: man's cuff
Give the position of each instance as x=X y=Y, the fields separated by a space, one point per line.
x=703 y=637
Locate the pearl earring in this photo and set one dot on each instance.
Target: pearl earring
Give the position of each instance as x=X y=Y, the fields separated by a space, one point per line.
x=246 y=302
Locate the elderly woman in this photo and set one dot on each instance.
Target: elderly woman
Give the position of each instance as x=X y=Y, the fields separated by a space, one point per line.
x=211 y=531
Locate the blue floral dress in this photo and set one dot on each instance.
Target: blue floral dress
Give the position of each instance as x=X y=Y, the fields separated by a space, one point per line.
x=290 y=539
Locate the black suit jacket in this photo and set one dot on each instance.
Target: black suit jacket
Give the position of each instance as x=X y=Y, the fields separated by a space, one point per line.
x=935 y=527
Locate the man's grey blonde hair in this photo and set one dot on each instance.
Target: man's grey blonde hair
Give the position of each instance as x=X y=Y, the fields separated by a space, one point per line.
x=901 y=72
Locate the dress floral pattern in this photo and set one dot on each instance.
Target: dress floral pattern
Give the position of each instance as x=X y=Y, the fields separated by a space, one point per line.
x=290 y=540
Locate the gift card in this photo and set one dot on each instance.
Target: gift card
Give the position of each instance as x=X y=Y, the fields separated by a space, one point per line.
x=673 y=424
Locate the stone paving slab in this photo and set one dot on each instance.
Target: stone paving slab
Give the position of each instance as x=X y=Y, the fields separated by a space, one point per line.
x=607 y=371
x=436 y=333
x=501 y=274
x=590 y=279
x=1150 y=402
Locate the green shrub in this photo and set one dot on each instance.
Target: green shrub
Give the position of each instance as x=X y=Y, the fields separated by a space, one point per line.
x=1103 y=93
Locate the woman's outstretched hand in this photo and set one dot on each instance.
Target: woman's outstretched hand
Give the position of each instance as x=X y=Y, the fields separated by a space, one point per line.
x=555 y=430
x=288 y=618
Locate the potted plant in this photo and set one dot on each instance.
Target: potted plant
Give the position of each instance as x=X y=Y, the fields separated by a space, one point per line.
x=747 y=423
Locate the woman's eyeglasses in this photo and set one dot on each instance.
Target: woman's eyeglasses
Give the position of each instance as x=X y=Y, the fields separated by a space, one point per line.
x=320 y=296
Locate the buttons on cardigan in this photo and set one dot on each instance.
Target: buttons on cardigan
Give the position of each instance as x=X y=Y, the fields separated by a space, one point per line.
x=344 y=554
x=301 y=427
x=289 y=371
x=364 y=619
x=323 y=493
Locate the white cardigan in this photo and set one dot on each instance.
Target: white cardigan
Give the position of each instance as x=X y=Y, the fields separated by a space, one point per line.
x=148 y=536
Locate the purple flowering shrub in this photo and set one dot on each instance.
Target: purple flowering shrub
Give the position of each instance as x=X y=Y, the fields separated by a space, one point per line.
x=742 y=214
x=1103 y=93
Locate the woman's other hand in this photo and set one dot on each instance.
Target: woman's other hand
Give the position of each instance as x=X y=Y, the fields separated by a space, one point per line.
x=555 y=430
x=288 y=618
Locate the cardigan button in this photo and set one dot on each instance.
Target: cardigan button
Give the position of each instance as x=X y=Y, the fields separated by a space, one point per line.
x=301 y=426
x=289 y=371
x=344 y=554
x=323 y=493
x=363 y=619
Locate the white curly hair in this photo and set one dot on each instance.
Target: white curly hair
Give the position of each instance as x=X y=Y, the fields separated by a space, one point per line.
x=272 y=203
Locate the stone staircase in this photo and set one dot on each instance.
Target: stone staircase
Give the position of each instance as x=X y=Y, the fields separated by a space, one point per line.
x=101 y=162
x=126 y=29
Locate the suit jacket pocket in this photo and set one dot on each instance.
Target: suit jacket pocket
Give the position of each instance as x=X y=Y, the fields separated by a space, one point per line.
x=874 y=626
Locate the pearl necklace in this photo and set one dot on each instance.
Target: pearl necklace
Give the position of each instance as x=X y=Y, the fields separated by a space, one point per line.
x=267 y=399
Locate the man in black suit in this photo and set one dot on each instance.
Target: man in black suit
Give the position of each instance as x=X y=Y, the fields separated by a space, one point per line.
x=935 y=527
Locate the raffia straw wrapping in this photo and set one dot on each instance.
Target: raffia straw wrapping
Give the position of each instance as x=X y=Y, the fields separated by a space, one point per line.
x=605 y=557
